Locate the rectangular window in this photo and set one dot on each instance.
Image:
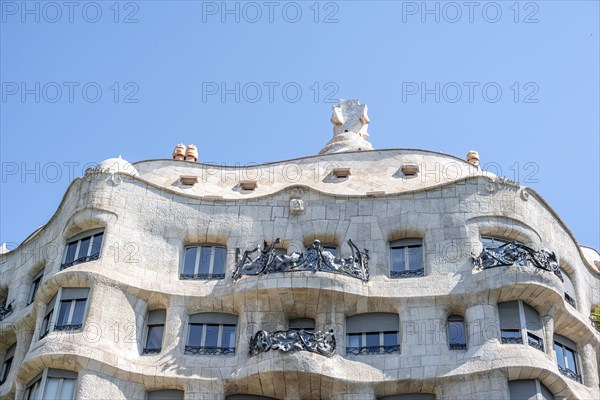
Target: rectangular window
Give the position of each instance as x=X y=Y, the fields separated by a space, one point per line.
x=204 y=262
x=566 y=359
x=35 y=285
x=52 y=384
x=372 y=343
x=511 y=336
x=155 y=326
x=211 y=339
x=83 y=249
x=8 y=359
x=406 y=258
x=70 y=313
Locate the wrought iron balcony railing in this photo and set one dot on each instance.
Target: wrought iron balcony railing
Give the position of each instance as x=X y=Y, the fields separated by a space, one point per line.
x=209 y=350
x=514 y=253
x=201 y=276
x=80 y=260
x=535 y=342
x=151 y=350
x=314 y=258
x=294 y=340
x=67 y=327
x=458 y=346
x=368 y=350
x=570 y=374
x=5 y=311
x=570 y=300
x=410 y=273
x=595 y=318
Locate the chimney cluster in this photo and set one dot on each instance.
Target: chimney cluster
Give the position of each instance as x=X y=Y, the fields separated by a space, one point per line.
x=473 y=158
x=183 y=153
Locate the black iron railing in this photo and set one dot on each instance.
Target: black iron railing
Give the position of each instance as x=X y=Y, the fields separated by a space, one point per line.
x=373 y=350
x=458 y=346
x=570 y=300
x=151 y=350
x=67 y=327
x=80 y=260
x=201 y=276
x=410 y=273
x=570 y=374
x=209 y=350
x=535 y=342
x=5 y=311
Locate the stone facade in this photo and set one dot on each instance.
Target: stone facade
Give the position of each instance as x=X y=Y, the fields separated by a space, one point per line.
x=148 y=216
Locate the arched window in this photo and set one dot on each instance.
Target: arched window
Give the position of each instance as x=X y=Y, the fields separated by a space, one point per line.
x=406 y=258
x=529 y=389
x=519 y=321
x=52 y=384
x=372 y=333
x=566 y=357
x=155 y=326
x=71 y=311
x=456 y=333
x=168 y=394
x=305 y=324
x=205 y=261
x=83 y=248
x=211 y=334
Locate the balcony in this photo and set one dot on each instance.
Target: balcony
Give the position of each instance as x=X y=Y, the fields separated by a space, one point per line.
x=67 y=327
x=201 y=276
x=373 y=350
x=5 y=311
x=570 y=374
x=152 y=350
x=209 y=350
x=458 y=346
x=409 y=273
x=80 y=260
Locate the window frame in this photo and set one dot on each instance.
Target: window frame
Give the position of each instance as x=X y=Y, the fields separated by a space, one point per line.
x=571 y=346
x=80 y=259
x=405 y=244
x=161 y=322
x=221 y=320
x=42 y=379
x=384 y=323
x=36 y=282
x=300 y=323
x=7 y=363
x=51 y=314
x=527 y=336
x=461 y=319
x=197 y=275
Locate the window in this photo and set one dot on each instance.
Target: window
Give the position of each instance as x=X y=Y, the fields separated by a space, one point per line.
x=170 y=394
x=494 y=242
x=155 y=327
x=5 y=309
x=35 y=285
x=456 y=333
x=330 y=248
x=566 y=357
x=373 y=333
x=211 y=334
x=305 y=324
x=52 y=384
x=248 y=397
x=83 y=248
x=71 y=311
x=520 y=321
x=409 y=396
x=406 y=258
x=7 y=363
x=529 y=389
x=204 y=262
x=569 y=288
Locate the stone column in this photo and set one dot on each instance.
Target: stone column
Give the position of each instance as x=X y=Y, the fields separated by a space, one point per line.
x=481 y=324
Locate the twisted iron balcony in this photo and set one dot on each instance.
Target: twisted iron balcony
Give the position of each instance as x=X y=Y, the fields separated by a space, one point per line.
x=80 y=260
x=294 y=340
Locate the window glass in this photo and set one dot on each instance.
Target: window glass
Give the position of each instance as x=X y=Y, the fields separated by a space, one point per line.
x=97 y=244
x=354 y=340
x=390 y=338
x=190 y=260
x=51 y=389
x=415 y=257
x=34 y=288
x=155 y=335
x=398 y=259
x=456 y=332
x=372 y=339
x=71 y=250
x=195 y=335
x=78 y=313
x=560 y=355
x=219 y=263
x=68 y=389
x=228 y=337
x=212 y=335
x=205 y=257
x=84 y=247
x=570 y=356
x=63 y=314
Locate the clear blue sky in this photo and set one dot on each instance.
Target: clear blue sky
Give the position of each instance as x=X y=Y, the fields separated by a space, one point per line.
x=171 y=55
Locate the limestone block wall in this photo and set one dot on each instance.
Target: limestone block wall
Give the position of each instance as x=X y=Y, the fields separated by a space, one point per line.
x=148 y=220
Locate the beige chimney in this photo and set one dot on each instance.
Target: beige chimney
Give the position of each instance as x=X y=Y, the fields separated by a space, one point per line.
x=191 y=153
x=473 y=158
x=179 y=152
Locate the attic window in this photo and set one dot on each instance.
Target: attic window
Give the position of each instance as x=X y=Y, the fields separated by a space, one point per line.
x=410 y=169
x=341 y=173
x=248 y=185
x=188 y=180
